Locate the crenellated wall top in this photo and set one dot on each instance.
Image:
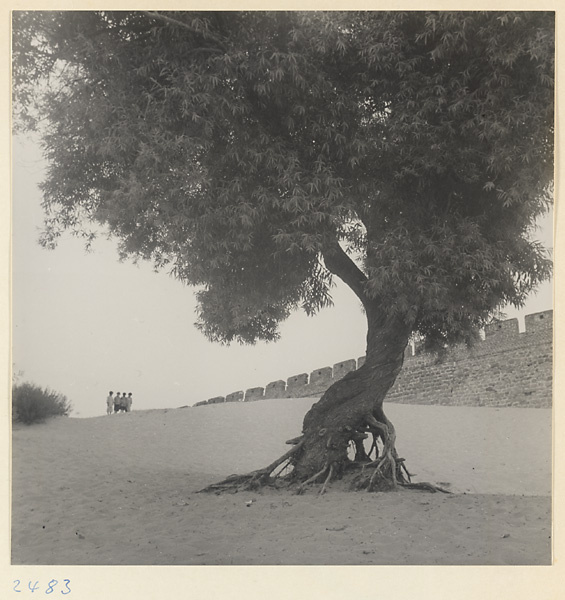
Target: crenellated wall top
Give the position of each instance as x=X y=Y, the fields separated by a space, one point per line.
x=499 y=336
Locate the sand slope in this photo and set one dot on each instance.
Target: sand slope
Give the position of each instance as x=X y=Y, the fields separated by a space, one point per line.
x=120 y=490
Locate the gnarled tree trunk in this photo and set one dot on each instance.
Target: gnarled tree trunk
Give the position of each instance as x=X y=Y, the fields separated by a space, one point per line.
x=349 y=412
x=352 y=408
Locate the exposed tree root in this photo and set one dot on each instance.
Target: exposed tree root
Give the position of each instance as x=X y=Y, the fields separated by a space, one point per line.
x=374 y=447
x=425 y=486
x=379 y=469
x=300 y=488
x=328 y=479
x=388 y=468
x=253 y=480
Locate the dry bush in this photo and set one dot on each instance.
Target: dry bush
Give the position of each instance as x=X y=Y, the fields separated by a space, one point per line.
x=33 y=404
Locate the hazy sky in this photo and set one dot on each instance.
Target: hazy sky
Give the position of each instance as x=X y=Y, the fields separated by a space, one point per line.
x=84 y=323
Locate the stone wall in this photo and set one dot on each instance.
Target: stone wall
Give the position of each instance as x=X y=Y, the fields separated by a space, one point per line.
x=507 y=368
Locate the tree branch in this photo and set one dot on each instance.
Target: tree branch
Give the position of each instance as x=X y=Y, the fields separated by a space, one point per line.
x=170 y=20
x=339 y=263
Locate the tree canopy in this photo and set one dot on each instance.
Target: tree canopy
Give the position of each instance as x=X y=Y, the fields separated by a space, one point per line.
x=256 y=154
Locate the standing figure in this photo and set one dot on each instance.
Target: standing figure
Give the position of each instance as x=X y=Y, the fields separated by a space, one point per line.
x=110 y=403
x=129 y=402
x=117 y=402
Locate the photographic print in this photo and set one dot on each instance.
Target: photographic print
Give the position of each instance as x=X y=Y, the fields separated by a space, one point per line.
x=282 y=288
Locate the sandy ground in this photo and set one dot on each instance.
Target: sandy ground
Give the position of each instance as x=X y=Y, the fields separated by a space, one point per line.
x=120 y=490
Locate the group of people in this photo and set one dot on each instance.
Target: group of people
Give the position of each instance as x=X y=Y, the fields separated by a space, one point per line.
x=118 y=403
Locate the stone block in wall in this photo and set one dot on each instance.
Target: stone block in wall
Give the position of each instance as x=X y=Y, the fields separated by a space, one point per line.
x=201 y=403
x=235 y=397
x=342 y=368
x=256 y=393
x=297 y=381
x=539 y=321
x=275 y=389
x=216 y=400
x=506 y=328
x=322 y=375
x=361 y=361
x=304 y=391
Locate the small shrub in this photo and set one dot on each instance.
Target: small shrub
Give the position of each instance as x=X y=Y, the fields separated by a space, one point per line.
x=33 y=404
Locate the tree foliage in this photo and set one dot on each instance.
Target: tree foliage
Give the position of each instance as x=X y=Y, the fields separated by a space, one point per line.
x=253 y=154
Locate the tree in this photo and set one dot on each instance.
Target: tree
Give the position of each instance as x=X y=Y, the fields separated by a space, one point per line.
x=257 y=155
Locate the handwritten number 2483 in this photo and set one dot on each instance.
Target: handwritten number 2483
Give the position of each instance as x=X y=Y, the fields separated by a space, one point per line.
x=33 y=587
